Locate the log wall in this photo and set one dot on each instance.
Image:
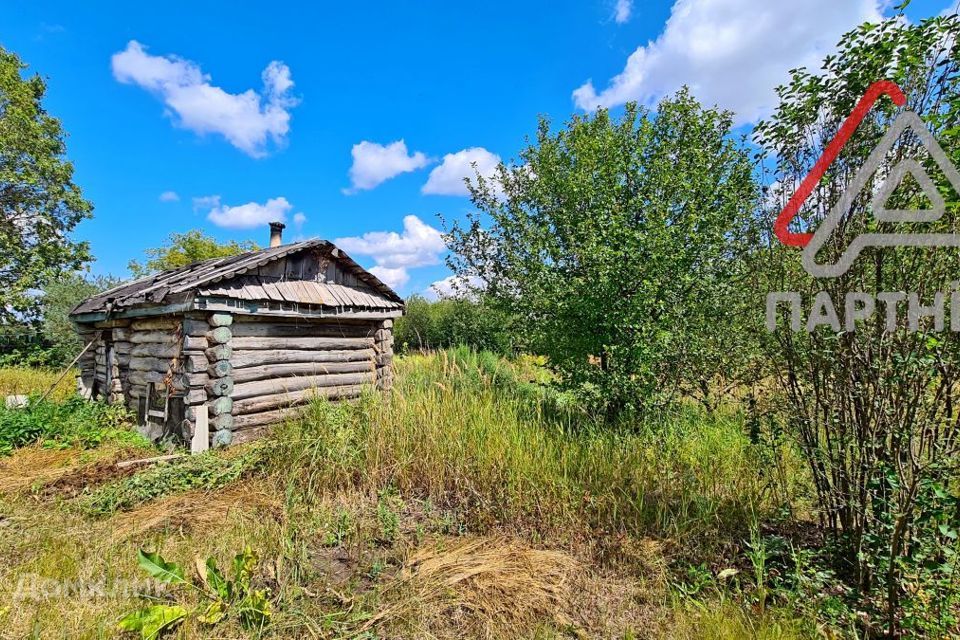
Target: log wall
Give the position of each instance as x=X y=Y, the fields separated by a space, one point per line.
x=249 y=371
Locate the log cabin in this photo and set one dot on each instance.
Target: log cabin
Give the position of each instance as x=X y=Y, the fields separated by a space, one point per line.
x=223 y=349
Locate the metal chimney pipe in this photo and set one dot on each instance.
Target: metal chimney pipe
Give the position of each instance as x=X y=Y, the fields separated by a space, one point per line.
x=276 y=233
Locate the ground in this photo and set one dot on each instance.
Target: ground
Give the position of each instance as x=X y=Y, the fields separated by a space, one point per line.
x=468 y=503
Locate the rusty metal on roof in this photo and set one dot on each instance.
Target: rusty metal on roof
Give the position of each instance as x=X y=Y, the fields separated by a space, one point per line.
x=238 y=277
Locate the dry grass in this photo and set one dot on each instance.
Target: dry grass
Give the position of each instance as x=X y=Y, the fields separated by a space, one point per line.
x=481 y=587
x=59 y=469
x=26 y=381
x=196 y=510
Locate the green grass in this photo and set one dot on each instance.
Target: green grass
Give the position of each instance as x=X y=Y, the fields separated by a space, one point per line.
x=468 y=446
x=72 y=422
x=29 y=381
x=461 y=430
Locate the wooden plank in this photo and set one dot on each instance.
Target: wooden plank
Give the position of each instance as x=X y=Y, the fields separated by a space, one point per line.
x=201 y=431
x=271 y=329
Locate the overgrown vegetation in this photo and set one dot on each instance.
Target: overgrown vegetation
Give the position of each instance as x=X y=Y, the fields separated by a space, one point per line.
x=72 y=423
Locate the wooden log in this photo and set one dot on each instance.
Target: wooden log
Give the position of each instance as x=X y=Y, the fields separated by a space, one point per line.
x=149 y=364
x=223 y=421
x=249 y=423
x=273 y=401
x=220 y=406
x=258 y=358
x=251 y=432
x=195 y=363
x=123 y=347
x=220 y=335
x=220 y=320
x=387 y=324
x=283 y=385
x=220 y=387
x=122 y=334
x=250 y=374
x=384 y=359
x=177 y=381
x=198 y=380
x=382 y=334
x=219 y=369
x=302 y=343
x=160 y=337
x=195 y=396
x=194 y=327
x=219 y=352
x=195 y=343
x=305 y=330
x=155 y=350
x=155 y=324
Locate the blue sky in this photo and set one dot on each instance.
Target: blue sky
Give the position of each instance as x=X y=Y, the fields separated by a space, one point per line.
x=183 y=115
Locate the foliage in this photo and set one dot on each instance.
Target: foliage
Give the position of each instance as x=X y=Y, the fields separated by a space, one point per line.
x=875 y=410
x=58 y=300
x=463 y=431
x=452 y=322
x=39 y=203
x=206 y=471
x=617 y=246
x=187 y=248
x=220 y=597
x=74 y=422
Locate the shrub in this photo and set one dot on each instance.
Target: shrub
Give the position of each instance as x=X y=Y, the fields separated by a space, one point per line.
x=75 y=422
x=452 y=322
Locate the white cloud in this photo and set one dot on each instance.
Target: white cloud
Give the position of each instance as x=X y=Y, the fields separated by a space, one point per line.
x=622 y=11
x=244 y=216
x=731 y=52
x=418 y=245
x=452 y=286
x=392 y=277
x=447 y=179
x=299 y=218
x=375 y=163
x=169 y=196
x=248 y=120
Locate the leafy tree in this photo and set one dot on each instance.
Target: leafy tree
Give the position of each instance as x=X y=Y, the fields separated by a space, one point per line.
x=451 y=322
x=876 y=410
x=617 y=246
x=186 y=248
x=39 y=203
x=58 y=300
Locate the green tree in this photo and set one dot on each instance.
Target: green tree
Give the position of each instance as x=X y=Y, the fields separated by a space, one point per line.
x=451 y=322
x=616 y=245
x=186 y=248
x=58 y=300
x=875 y=410
x=39 y=203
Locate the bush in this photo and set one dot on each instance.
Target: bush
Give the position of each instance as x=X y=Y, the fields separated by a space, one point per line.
x=75 y=422
x=452 y=322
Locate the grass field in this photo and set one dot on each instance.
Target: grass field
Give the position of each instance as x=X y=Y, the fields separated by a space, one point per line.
x=470 y=502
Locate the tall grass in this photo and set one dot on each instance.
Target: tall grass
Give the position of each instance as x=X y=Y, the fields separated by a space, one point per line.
x=30 y=381
x=461 y=430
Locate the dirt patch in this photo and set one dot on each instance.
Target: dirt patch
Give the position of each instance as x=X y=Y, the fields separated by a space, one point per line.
x=195 y=510
x=76 y=480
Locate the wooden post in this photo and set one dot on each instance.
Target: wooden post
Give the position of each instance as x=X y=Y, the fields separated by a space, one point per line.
x=219 y=373
x=201 y=431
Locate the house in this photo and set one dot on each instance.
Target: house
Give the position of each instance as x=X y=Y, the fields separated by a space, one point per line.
x=228 y=346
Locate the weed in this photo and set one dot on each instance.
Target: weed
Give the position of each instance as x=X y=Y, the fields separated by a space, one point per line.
x=206 y=471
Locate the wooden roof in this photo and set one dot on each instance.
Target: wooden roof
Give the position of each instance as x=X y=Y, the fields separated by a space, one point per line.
x=248 y=277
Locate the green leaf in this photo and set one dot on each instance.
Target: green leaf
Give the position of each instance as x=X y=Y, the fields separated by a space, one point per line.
x=157 y=567
x=214 y=614
x=216 y=581
x=153 y=620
